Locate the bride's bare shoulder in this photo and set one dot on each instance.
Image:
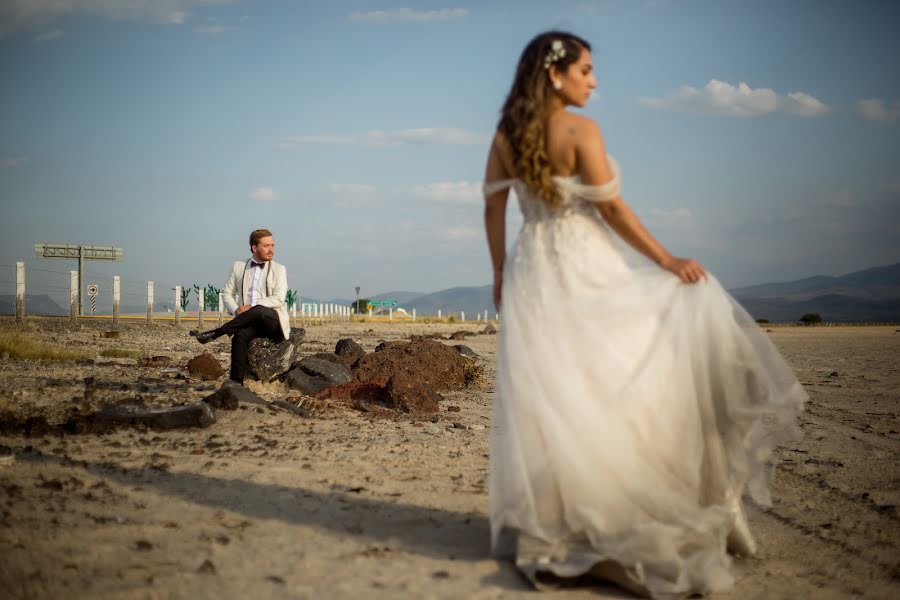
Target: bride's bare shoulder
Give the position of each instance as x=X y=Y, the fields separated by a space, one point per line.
x=584 y=129
x=502 y=149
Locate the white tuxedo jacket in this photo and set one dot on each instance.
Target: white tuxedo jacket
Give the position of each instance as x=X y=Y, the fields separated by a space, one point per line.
x=273 y=288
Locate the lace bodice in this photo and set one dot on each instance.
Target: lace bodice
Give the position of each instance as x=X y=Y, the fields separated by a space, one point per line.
x=576 y=197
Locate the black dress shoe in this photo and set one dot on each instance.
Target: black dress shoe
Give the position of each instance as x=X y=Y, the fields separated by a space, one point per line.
x=204 y=337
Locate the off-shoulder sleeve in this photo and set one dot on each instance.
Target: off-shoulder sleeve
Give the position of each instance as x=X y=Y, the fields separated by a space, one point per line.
x=492 y=187
x=599 y=193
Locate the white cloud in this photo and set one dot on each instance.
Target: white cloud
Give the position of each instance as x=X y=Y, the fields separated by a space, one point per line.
x=33 y=15
x=803 y=105
x=874 y=109
x=407 y=15
x=420 y=136
x=462 y=232
x=723 y=99
x=48 y=35
x=462 y=192
x=263 y=194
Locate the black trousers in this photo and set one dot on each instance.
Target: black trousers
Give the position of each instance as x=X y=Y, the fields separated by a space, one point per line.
x=258 y=321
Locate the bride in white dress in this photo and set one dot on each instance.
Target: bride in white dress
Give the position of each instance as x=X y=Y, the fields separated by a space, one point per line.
x=635 y=404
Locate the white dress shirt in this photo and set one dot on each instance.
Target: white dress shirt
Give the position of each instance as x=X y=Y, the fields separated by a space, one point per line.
x=255 y=278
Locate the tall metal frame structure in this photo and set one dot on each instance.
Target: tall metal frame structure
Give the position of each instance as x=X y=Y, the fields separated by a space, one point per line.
x=81 y=254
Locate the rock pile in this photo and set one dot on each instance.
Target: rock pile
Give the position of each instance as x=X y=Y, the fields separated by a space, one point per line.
x=400 y=376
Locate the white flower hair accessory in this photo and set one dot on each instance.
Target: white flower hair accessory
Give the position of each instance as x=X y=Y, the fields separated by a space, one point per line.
x=557 y=51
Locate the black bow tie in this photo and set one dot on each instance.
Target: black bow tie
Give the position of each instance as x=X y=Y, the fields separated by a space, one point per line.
x=253 y=263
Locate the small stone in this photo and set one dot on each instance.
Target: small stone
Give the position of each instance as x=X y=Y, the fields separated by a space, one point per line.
x=111 y=334
x=291 y=407
x=476 y=427
x=230 y=395
x=432 y=428
x=489 y=329
x=205 y=367
x=440 y=575
x=143 y=546
x=176 y=417
x=465 y=351
x=156 y=361
x=453 y=408
x=207 y=568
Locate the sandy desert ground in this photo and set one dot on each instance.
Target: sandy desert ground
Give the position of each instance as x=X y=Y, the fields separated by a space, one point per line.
x=339 y=504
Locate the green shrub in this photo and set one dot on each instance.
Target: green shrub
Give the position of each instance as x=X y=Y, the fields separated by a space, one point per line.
x=811 y=319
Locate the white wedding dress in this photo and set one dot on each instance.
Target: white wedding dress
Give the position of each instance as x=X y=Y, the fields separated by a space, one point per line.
x=632 y=411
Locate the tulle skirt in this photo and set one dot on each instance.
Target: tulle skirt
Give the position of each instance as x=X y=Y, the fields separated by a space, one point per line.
x=629 y=407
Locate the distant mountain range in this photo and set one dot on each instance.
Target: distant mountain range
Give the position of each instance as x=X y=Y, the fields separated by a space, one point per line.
x=871 y=295
x=35 y=304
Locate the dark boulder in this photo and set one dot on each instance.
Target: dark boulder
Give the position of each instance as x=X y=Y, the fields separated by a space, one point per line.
x=489 y=329
x=349 y=351
x=332 y=372
x=298 y=379
x=329 y=356
x=269 y=360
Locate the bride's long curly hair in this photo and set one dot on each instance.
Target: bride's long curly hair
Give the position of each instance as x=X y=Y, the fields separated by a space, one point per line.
x=523 y=119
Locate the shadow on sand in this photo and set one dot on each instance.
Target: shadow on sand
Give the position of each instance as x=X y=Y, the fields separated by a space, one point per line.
x=452 y=535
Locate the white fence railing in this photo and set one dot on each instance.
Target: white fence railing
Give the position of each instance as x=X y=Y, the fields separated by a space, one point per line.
x=111 y=297
x=112 y=307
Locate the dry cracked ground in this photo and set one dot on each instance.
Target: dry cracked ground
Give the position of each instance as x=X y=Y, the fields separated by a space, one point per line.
x=343 y=504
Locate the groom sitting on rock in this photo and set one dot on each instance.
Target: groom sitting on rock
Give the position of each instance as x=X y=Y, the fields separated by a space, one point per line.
x=255 y=294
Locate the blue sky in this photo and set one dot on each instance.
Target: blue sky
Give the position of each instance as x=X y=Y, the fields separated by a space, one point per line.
x=762 y=138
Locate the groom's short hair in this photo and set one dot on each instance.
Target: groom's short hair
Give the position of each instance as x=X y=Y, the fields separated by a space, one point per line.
x=258 y=234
